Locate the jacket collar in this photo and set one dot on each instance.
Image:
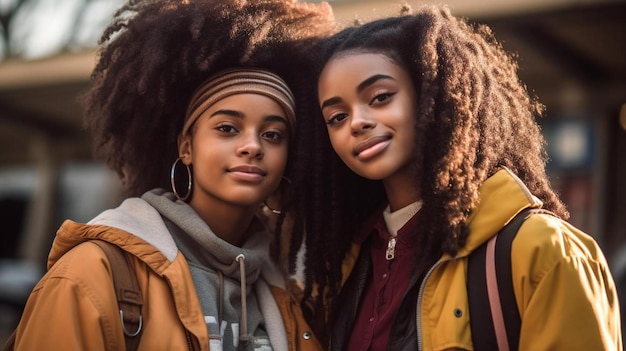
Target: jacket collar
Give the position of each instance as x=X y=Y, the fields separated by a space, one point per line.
x=502 y=196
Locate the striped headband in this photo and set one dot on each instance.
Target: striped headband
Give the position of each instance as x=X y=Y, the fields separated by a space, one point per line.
x=239 y=81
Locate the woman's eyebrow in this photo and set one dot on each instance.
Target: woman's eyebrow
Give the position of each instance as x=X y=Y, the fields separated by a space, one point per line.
x=237 y=114
x=364 y=84
x=231 y=113
x=371 y=80
x=331 y=101
x=276 y=118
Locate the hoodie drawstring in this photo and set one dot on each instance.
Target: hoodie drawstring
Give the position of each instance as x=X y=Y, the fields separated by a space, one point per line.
x=244 y=338
x=220 y=307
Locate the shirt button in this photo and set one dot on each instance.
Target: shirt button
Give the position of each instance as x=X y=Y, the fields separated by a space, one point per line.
x=372 y=319
x=384 y=275
x=306 y=335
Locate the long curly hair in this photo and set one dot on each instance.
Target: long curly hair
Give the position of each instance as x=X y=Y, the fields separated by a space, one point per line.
x=474 y=115
x=156 y=52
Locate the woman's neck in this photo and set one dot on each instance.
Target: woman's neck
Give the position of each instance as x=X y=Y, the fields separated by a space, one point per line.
x=228 y=222
x=401 y=190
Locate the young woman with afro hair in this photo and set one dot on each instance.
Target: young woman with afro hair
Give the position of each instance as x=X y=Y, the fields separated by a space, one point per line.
x=194 y=105
x=424 y=145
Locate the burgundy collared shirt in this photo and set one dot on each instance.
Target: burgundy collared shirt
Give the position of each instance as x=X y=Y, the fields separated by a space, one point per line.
x=384 y=293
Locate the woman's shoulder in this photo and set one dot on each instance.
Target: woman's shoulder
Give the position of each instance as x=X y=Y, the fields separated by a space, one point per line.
x=545 y=242
x=83 y=262
x=81 y=277
x=548 y=233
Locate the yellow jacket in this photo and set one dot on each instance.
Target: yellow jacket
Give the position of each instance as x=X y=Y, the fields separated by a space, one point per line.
x=564 y=290
x=74 y=306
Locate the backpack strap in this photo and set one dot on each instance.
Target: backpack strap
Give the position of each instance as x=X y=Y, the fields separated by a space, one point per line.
x=494 y=317
x=128 y=293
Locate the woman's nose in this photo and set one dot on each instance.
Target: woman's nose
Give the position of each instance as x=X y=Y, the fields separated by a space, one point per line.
x=361 y=122
x=250 y=147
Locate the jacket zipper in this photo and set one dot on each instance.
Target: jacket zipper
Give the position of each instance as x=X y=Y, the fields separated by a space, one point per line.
x=391 y=249
x=420 y=295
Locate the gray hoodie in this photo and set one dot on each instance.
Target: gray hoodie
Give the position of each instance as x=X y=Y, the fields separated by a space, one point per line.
x=220 y=271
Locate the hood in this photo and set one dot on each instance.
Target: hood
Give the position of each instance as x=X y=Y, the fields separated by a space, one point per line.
x=205 y=246
x=502 y=196
x=134 y=216
x=151 y=241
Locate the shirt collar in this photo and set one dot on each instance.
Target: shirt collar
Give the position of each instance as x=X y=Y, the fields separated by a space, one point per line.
x=397 y=219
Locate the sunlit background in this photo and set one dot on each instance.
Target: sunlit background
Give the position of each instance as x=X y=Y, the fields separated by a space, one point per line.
x=572 y=56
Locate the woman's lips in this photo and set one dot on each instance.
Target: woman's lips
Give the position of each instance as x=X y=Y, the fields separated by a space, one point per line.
x=247 y=173
x=371 y=147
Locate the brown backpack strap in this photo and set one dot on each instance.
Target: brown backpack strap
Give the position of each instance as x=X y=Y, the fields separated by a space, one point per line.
x=128 y=293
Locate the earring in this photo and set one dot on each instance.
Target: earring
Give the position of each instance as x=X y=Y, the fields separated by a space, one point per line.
x=173 y=182
x=275 y=211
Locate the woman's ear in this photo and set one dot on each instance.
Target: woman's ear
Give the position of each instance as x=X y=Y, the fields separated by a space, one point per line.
x=184 y=149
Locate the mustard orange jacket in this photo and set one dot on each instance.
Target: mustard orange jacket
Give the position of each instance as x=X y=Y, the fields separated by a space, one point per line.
x=74 y=306
x=563 y=287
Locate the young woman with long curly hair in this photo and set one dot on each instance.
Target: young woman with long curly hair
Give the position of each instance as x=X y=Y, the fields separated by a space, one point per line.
x=194 y=105
x=424 y=146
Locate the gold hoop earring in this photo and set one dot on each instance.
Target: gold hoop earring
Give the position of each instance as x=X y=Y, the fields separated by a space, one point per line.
x=275 y=211
x=173 y=182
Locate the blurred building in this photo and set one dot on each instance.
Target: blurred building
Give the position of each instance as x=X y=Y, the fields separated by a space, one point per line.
x=572 y=56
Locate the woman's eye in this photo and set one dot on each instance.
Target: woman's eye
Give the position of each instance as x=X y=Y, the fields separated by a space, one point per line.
x=225 y=128
x=273 y=135
x=382 y=97
x=336 y=118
